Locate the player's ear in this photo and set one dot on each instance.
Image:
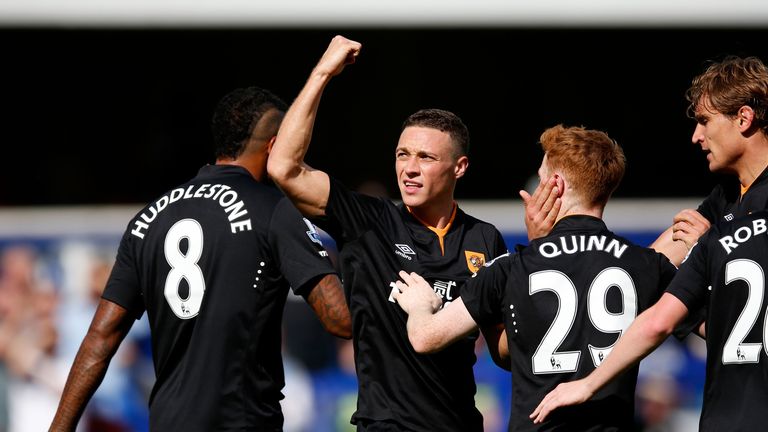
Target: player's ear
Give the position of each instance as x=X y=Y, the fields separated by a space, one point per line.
x=270 y=143
x=562 y=183
x=461 y=166
x=745 y=117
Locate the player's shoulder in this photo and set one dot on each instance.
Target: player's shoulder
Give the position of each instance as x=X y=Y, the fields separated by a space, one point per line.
x=506 y=259
x=473 y=222
x=644 y=256
x=341 y=195
x=727 y=190
x=744 y=229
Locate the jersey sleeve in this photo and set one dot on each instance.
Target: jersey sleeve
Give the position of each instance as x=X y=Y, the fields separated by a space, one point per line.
x=667 y=272
x=710 y=208
x=499 y=246
x=123 y=286
x=483 y=294
x=349 y=214
x=691 y=283
x=297 y=247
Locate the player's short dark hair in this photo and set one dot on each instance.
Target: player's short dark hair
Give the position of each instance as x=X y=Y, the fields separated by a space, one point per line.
x=591 y=160
x=728 y=85
x=444 y=121
x=235 y=117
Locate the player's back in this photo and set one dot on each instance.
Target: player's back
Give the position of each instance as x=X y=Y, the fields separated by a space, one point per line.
x=568 y=298
x=726 y=271
x=214 y=292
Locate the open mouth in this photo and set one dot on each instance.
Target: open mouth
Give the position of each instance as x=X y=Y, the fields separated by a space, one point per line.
x=411 y=186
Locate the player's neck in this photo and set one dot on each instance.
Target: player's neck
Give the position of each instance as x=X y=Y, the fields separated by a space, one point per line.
x=576 y=208
x=254 y=165
x=754 y=162
x=435 y=216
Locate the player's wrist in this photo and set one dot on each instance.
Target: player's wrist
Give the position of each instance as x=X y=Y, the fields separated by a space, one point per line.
x=320 y=75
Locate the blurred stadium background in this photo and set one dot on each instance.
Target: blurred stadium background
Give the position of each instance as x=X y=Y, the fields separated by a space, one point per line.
x=105 y=106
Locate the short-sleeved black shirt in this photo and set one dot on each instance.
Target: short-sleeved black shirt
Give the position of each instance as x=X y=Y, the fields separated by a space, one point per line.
x=725 y=272
x=564 y=301
x=211 y=262
x=377 y=239
x=724 y=204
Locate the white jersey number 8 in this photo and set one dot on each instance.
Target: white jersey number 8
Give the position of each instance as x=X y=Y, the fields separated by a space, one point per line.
x=184 y=266
x=546 y=359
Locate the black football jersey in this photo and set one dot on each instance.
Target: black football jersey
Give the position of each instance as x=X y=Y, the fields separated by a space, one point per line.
x=725 y=272
x=725 y=202
x=565 y=300
x=211 y=263
x=377 y=239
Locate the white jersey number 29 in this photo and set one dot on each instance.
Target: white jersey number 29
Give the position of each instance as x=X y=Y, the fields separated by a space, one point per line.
x=546 y=359
x=184 y=266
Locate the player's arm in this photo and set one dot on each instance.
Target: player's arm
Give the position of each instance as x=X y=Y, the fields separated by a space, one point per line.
x=542 y=208
x=108 y=329
x=687 y=226
x=646 y=333
x=496 y=340
x=701 y=330
x=308 y=188
x=430 y=329
x=327 y=300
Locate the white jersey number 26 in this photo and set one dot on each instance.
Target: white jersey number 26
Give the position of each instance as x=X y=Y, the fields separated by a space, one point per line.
x=735 y=351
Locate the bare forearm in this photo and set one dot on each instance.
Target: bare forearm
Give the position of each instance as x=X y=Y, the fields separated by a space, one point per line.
x=328 y=302
x=296 y=130
x=646 y=333
x=430 y=328
x=420 y=333
x=109 y=326
x=496 y=341
x=642 y=337
x=432 y=332
x=87 y=372
x=675 y=251
x=307 y=188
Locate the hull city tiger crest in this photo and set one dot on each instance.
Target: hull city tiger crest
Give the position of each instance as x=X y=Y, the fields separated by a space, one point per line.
x=475 y=260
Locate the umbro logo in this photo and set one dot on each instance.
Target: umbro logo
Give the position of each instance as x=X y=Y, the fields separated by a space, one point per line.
x=404 y=251
x=728 y=217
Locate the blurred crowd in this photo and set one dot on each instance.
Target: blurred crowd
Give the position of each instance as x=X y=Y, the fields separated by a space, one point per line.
x=48 y=294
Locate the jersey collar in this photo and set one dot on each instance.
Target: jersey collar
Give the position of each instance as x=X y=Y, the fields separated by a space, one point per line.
x=214 y=170
x=578 y=223
x=762 y=178
x=440 y=232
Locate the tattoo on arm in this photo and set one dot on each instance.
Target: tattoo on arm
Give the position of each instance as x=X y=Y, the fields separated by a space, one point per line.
x=328 y=302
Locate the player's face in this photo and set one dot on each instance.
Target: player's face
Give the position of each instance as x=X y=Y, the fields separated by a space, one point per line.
x=719 y=137
x=544 y=172
x=426 y=166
